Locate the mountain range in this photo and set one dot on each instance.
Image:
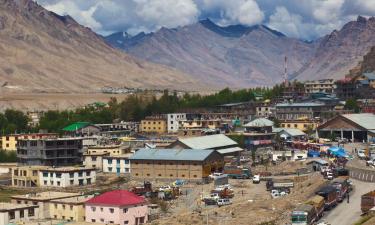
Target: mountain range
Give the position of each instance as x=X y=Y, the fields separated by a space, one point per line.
x=241 y=56
x=44 y=52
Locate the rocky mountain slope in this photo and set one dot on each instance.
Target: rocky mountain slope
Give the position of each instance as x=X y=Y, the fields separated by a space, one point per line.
x=44 y=52
x=234 y=56
x=341 y=50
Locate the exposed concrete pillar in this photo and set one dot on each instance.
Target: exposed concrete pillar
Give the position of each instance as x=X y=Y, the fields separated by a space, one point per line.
x=342 y=134
x=353 y=136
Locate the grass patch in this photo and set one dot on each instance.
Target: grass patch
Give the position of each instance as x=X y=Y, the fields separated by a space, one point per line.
x=6 y=193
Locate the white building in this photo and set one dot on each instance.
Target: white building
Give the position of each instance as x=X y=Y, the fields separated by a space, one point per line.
x=173 y=121
x=66 y=176
x=11 y=213
x=116 y=164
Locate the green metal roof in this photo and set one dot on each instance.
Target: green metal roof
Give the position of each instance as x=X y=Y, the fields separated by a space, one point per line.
x=76 y=126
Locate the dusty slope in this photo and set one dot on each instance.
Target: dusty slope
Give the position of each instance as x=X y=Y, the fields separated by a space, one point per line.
x=341 y=50
x=43 y=52
x=234 y=56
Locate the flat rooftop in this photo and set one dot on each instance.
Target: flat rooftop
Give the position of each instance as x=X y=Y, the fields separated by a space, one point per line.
x=48 y=195
x=66 y=169
x=74 y=200
x=96 y=154
x=5 y=206
x=123 y=156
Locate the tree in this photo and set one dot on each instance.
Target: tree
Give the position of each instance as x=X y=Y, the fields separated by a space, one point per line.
x=351 y=104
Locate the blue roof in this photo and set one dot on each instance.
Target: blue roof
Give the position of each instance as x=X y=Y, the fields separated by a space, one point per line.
x=172 y=154
x=300 y=104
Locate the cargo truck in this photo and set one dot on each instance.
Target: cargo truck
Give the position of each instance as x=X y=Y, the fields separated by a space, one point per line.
x=330 y=196
x=237 y=172
x=367 y=201
x=304 y=215
x=342 y=188
x=279 y=184
x=318 y=202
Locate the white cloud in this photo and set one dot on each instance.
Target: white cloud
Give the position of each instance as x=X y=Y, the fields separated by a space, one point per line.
x=246 y=12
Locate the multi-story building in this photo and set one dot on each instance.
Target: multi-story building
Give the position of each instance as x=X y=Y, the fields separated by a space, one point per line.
x=320 y=86
x=264 y=110
x=94 y=160
x=9 y=142
x=111 y=149
x=345 y=88
x=34 y=117
x=115 y=129
x=303 y=110
x=172 y=164
x=69 y=209
x=26 y=176
x=302 y=124
x=81 y=129
x=117 y=207
x=50 y=152
x=154 y=124
x=11 y=213
x=119 y=164
x=42 y=200
x=66 y=176
x=173 y=121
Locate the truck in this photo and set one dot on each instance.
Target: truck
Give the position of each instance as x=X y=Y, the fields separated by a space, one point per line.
x=304 y=214
x=237 y=172
x=256 y=179
x=330 y=196
x=147 y=187
x=367 y=201
x=279 y=184
x=318 y=202
x=341 y=173
x=342 y=188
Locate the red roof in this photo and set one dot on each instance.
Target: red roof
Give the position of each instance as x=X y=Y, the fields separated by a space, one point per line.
x=117 y=198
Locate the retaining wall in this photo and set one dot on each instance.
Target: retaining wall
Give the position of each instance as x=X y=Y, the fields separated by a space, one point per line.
x=367 y=175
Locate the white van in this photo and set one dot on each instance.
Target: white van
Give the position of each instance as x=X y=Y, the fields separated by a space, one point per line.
x=256 y=179
x=223 y=201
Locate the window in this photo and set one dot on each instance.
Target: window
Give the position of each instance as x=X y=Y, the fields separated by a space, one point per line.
x=126 y=161
x=12 y=215
x=93 y=209
x=171 y=175
x=102 y=220
x=15 y=172
x=19 y=202
x=22 y=215
x=45 y=174
x=71 y=175
x=101 y=209
x=93 y=220
x=63 y=206
x=148 y=174
x=31 y=212
x=55 y=206
x=111 y=210
x=125 y=210
x=45 y=182
x=71 y=207
x=94 y=158
x=109 y=161
x=126 y=222
x=159 y=175
x=88 y=173
x=110 y=169
x=58 y=183
x=71 y=182
x=195 y=175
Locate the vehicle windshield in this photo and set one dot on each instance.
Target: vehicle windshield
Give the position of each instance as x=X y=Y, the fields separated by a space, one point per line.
x=298 y=218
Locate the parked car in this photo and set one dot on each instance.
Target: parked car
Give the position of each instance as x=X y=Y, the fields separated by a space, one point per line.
x=256 y=179
x=215 y=175
x=223 y=201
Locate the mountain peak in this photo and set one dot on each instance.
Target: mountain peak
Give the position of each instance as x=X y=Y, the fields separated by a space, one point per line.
x=361 y=19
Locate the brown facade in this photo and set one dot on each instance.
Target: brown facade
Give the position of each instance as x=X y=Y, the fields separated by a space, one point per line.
x=173 y=169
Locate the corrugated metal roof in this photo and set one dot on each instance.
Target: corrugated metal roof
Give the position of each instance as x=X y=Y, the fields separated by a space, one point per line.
x=300 y=104
x=76 y=126
x=230 y=150
x=172 y=154
x=365 y=120
x=260 y=122
x=293 y=131
x=208 y=142
x=370 y=76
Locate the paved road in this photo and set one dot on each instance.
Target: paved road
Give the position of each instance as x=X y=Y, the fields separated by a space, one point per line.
x=348 y=214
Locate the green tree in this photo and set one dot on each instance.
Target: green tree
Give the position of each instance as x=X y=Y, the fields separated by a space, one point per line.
x=351 y=104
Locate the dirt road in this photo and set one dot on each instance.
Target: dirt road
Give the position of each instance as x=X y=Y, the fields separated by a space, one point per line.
x=348 y=213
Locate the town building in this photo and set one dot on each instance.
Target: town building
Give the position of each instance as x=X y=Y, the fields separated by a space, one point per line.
x=302 y=110
x=301 y=124
x=320 y=86
x=69 y=209
x=9 y=142
x=81 y=129
x=34 y=117
x=173 y=121
x=50 y=152
x=118 y=129
x=117 y=207
x=172 y=164
x=346 y=88
x=260 y=125
x=196 y=132
x=94 y=160
x=119 y=164
x=154 y=124
x=26 y=176
x=66 y=176
x=238 y=110
x=264 y=110
x=11 y=213
x=111 y=149
x=292 y=134
x=42 y=200
x=355 y=127
x=223 y=144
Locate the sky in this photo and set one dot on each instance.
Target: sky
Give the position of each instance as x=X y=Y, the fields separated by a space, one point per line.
x=304 y=19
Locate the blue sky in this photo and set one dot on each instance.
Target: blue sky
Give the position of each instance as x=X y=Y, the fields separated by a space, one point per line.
x=305 y=19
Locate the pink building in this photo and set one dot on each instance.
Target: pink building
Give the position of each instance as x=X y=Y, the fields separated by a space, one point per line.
x=117 y=207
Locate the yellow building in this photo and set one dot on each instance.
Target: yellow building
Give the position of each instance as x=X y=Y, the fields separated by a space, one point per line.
x=69 y=209
x=112 y=150
x=26 y=176
x=154 y=125
x=9 y=142
x=187 y=164
x=302 y=125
